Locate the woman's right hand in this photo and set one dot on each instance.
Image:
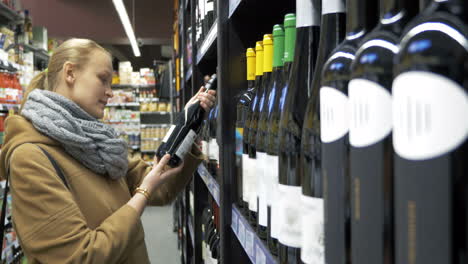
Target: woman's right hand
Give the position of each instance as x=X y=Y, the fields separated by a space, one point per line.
x=160 y=173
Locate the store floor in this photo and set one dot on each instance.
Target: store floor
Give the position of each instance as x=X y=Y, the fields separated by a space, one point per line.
x=160 y=240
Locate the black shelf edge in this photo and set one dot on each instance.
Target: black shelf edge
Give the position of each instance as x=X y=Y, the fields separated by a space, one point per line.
x=148 y=151
x=133 y=86
x=210 y=182
x=6 y=107
x=233 y=4
x=188 y=75
x=8 y=13
x=154 y=113
x=251 y=243
x=208 y=42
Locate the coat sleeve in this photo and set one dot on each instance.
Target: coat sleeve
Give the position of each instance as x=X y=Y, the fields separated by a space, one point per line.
x=49 y=224
x=163 y=195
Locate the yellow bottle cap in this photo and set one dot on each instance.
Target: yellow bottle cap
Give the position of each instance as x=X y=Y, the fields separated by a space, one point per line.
x=268 y=53
x=250 y=64
x=259 y=59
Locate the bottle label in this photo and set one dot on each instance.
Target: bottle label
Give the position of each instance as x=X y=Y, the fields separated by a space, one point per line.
x=371 y=112
x=205 y=148
x=245 y=177
x=313 y=244
x=306 y=14
x=239 y=140
x=252 y=176
x=214 y=149
x=333 y=114
x=261 y=167
x=169 y=133
x=333 y=6
x=186 y=145
x=272 y=193
x=209 y=7
x=429 y=115
x=290 y=212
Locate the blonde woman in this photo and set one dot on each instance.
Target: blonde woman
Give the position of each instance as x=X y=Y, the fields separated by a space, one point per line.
x=97 y=218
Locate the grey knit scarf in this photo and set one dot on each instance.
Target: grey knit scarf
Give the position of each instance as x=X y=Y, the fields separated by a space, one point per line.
x=94 y=144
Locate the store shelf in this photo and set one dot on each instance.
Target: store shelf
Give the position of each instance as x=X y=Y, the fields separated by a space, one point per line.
x=149 y=100
x=155 y=125
x=38 y=52
x=134 y=147
x=154 y=113
x=123 y=104
x=123 y=121
x=148 y=151
x=9 y=14
x=133 y=86
x=233 y=4
x=208 y=43
x=252 y=244
x=154 y=139
x=9 y=66
x=6 y=107
x=189 y=73
x=210 y=182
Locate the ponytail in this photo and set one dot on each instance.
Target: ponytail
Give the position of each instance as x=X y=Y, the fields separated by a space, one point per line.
x=38 y=82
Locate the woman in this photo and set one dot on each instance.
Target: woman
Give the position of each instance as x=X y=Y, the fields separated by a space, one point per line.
x=96 y=220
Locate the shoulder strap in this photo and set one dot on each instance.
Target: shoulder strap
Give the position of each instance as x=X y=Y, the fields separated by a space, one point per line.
x=5 y=200
x=7 y=187
x=56 y=166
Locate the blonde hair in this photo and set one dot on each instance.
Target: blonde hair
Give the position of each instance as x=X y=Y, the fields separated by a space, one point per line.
x=76 y=51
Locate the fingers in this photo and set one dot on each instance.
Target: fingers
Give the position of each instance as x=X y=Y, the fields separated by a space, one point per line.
x=207 y=100
x=172 y=171
x=159 y=167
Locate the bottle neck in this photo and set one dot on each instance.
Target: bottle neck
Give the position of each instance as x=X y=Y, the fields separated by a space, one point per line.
x=393 y=10
x=308 y=13
x=361 y=17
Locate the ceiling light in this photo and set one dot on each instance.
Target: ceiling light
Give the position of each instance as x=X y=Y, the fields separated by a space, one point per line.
x=120 y=7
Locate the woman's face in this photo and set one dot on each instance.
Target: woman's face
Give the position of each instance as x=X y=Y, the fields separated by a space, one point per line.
x=92 y=84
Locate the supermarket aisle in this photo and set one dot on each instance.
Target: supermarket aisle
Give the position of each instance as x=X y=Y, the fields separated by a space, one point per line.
x=160 y=240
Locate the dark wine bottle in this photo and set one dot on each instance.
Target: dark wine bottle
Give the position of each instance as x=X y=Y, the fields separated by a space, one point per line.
x=213 y=145
x=430 y=130
x=370 y=126
x=271 y=135
x=259 y=153
x=362 y=16
x=289 y=184
x=249 y=170
x=242 y=110
x=179 y=139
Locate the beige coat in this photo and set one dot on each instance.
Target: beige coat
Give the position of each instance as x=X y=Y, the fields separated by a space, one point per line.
x=90 y=223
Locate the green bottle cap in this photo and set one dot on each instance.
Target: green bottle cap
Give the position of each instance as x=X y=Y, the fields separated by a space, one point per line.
x=278 y=45
x=290 y=32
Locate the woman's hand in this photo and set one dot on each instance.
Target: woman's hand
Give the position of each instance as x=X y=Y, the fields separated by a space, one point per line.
x=206 y=100
x=160 y=173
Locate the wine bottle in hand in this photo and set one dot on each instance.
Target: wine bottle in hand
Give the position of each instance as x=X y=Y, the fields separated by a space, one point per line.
x=179 y=140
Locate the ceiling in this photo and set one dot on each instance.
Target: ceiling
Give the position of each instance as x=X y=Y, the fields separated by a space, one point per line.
x=98 y=20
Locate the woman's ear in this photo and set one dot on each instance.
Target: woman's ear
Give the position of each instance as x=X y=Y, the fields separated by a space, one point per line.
x=69 y=73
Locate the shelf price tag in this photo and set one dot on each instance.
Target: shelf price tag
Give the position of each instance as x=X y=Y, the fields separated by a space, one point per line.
x=241 y=233
x=232 y=6
x=259 y=255
x=249 y=243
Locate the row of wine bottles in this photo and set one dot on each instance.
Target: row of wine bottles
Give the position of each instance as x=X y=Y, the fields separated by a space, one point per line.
x=210 y=235
x=351 y=136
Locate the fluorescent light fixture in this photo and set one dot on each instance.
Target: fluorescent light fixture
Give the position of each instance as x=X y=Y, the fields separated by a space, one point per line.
x=120 y=7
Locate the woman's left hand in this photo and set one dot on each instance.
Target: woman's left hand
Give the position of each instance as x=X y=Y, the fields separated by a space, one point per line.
x=206 y=100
